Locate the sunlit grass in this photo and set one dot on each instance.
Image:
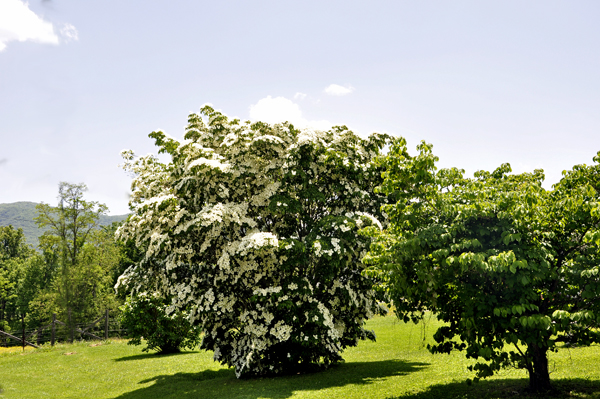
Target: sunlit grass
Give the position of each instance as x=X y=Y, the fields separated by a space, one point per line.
x=16 y=349
x=397 y=365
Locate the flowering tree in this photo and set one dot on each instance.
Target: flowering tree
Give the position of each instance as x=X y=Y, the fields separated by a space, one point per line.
x=254 y=230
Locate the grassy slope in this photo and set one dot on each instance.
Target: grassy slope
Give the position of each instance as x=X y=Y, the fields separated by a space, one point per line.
x=396 y=366
x=21 y=214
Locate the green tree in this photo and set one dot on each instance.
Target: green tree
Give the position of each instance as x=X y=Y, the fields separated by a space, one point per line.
x=13 y=254
x=513 y=269
x=6 y=294
x=13 y=244
x=253 y=230
x=93 y=281
x=73 y=241
x=35 y=281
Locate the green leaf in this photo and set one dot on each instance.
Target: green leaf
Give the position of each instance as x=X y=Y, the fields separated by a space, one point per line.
x=523 y=321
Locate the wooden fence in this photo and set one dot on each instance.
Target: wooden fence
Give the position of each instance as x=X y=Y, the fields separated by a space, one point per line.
x=25 y=338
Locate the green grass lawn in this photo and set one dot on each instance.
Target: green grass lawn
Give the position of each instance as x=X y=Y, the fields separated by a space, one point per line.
x=396 y=366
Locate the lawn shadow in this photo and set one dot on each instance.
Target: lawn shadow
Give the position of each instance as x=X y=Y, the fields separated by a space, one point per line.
x=153 y=355
x=222 y=383
x=508 y=388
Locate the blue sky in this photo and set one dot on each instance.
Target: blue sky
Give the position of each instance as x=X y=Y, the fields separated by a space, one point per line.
x=485 y=82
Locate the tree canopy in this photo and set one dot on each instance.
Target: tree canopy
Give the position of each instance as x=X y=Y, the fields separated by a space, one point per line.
x=13 y=253
x=253 y=229
x=512 y=268
x=13 y=244
x=70 y=222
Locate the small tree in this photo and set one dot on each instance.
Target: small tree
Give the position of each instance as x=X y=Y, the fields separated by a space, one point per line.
x=511 y=268
x=253 y=229
x=145 y=318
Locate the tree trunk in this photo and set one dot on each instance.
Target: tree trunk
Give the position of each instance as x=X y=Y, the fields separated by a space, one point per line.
x=539 y=377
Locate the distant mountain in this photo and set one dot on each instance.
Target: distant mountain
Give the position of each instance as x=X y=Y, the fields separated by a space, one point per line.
x=21 y=214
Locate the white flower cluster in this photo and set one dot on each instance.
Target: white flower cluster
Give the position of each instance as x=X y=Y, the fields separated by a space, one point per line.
x=254 y=231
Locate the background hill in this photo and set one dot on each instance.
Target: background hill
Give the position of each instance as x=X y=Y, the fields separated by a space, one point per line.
x=21 y=214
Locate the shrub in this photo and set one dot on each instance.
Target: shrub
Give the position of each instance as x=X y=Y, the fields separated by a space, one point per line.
x=145 y=317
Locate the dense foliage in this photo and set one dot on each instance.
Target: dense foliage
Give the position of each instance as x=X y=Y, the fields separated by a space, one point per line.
x=253 y=229
x=145 y=318
x=13 y=256
x=513 y=269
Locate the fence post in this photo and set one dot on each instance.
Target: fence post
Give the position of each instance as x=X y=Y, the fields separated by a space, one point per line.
x=23 y=329
x=71 y=327
x=106 y=326
x=53 y=328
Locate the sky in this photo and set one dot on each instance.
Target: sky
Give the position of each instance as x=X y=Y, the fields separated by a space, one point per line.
x=484 y=82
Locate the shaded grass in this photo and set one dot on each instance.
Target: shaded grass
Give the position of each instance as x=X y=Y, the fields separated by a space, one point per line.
x=396 y=366
x=350 y=380
x=509 y=388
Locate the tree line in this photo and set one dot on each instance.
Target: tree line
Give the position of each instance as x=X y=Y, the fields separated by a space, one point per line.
x=73 y=272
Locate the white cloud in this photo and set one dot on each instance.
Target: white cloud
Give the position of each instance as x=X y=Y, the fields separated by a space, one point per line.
x=69 y=32
x=19 y=23
x=337 y=90
x=299 y=96
x=280 y=109
x=275 y=110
